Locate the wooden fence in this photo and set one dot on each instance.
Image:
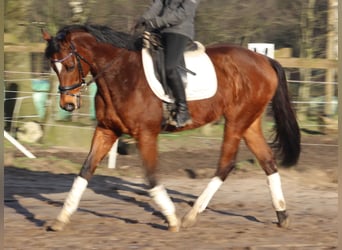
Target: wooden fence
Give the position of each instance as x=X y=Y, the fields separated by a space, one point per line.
x=286 y=62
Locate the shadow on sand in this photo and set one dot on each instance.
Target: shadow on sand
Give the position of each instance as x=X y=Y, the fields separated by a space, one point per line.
x=25 y=183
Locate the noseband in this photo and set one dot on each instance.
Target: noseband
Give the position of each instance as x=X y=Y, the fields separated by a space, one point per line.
x=82 y=84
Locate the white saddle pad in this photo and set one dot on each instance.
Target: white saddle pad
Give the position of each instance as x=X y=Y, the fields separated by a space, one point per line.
x=200 y=86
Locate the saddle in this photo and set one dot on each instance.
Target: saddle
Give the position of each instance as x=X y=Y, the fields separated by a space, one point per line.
x=196 y=68
x=152 y=42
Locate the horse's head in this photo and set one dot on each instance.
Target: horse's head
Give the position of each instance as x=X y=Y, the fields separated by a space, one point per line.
x=71 y=55
x=71 y=64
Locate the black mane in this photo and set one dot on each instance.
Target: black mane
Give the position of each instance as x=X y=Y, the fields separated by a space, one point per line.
x=103 y=34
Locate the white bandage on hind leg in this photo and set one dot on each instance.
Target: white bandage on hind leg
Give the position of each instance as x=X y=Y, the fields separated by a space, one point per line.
x=162 y=199
x=277 y=196
x=204 y=199
x=73 y=199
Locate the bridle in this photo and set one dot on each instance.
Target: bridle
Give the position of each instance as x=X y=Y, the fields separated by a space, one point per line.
x=82 y=84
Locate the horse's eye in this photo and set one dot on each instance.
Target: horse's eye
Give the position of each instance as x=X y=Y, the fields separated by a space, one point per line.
x=70 y=68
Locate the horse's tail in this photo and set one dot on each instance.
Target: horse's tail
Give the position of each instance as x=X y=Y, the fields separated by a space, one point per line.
x=287 y=137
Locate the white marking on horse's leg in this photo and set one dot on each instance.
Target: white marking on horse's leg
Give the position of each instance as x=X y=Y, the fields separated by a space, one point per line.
x=59 y=66
x=202 y=201
x=277 y=196
x=73 y=199
x=162 y=199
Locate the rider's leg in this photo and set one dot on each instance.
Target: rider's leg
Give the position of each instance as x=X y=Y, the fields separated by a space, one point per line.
x=174 y=49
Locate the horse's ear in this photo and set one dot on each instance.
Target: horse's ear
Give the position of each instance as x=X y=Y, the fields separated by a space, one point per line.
x=47 y=37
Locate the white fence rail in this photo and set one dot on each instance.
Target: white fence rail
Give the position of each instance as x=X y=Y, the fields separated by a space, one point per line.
x=25 y=98
x=28 y=96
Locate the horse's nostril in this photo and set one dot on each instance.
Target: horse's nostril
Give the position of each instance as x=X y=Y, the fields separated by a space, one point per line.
x=69 y=107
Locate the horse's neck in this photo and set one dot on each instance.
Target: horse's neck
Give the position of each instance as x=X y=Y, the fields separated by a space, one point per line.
x=115 y=71
x=103 y=62
x=106 y=71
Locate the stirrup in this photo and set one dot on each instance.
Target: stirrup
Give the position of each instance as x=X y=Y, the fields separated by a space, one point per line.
x=174 y=121
x=179 y=125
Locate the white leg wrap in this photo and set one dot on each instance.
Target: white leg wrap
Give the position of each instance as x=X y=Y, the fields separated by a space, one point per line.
x=162 y=199
x=277 y=196
x=204 y=199
x=73 y=199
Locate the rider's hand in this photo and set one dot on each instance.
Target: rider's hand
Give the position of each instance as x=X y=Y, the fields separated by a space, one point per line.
x=151 y=25
x=139 y=24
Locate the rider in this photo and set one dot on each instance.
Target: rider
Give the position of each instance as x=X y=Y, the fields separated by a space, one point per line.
x=174 y=19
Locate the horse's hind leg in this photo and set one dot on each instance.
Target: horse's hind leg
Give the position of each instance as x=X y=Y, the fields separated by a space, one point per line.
x=102 y=142
x=257 y=144
x=148 y=150
x=227 y=163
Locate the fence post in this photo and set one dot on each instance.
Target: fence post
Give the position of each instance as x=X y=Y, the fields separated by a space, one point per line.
x=18 y=145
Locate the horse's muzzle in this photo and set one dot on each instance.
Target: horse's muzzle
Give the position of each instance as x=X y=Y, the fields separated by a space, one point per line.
x=69 y=107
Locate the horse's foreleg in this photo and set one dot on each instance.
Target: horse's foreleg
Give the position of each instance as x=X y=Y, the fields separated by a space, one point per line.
x=148 y=151
x=164 y=202
x=101 y=144
x=227 y=163
x=202 y=202
x=258 y=145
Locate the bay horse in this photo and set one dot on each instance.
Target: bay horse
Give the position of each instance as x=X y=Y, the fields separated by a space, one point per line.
x=125 y=104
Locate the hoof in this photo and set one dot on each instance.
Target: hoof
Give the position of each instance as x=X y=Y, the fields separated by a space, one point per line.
x=189 y=219
x=283 y=219
x=56 y=226
x=174 y=224
x=285 y=223
x=174 y=229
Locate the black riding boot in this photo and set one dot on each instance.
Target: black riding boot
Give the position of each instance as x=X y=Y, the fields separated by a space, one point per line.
x=181 y=117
